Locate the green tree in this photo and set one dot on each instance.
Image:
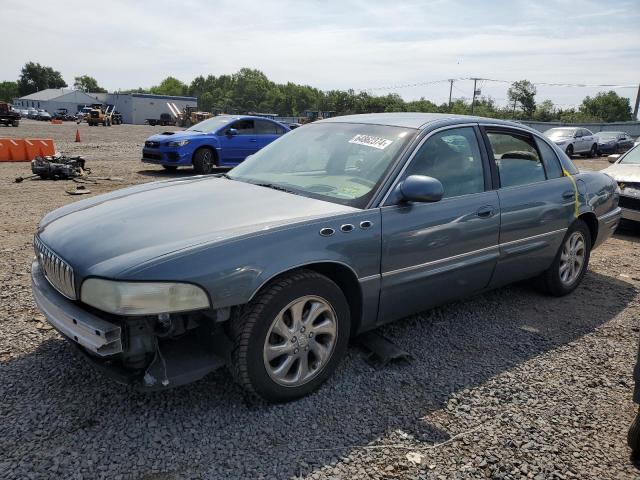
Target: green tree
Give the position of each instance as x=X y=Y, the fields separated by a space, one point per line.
x=545 y=111
x=88 y=84
x=9 y=91
x=523 y=92
x=608 y=107
x=170 y=86
x=35 y=77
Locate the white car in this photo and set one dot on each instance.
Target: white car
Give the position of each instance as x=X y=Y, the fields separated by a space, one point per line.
x=626 y=172
x=574 y=140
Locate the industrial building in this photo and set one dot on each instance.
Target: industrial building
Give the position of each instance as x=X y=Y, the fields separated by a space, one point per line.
x=134 y=107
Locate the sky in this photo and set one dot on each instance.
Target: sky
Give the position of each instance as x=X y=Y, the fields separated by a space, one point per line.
x=381 y=46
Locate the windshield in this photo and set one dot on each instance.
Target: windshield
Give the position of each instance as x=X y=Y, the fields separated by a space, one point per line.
x=338 y=162
x=633 y=157
x=560 y=132
x=211 y=124
x=608 y=135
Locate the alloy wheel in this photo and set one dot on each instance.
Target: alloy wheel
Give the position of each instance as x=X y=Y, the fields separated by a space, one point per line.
x=300 y=341
x=572 y=258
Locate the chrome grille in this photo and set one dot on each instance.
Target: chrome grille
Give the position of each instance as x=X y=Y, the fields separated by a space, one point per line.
x=56 y=270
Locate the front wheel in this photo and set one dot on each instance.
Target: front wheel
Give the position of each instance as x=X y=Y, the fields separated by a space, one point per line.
x=15 y=123
x=203 y=161
x=594 y=151
x=571 y=262
x=569 y=151
x=291 y=337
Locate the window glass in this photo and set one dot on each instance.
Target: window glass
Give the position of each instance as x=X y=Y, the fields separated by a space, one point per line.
x=453 y=157
x=244 y=127
x=517 y=158
x=551 y=162
x=264 y=127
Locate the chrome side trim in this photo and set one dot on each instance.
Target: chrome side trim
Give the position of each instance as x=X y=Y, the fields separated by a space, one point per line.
x=472 y=253
x=369 y=277
x=439 y=261
x=534 y=237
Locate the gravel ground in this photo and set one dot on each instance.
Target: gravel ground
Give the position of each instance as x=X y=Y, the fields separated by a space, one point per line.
x=509 y=384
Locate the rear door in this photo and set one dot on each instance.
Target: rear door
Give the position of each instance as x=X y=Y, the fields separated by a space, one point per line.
x=435 y=252
x=266 y=132
x=235 y=148
x=537 y=202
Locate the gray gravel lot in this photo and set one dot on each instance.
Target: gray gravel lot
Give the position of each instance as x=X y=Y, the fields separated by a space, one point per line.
x=508 y=384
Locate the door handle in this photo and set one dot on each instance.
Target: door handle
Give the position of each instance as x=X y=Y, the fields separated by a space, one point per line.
x=253 y=140
x=486 y=211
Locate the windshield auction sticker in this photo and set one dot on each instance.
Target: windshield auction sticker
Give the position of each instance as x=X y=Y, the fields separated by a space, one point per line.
x=370 y=141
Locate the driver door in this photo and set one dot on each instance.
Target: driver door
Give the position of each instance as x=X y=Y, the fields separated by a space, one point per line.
x=235 y=148
x=436 y=252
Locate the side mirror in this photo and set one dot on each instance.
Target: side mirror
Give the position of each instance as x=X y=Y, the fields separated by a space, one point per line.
x=613 y=158
x=420 y=188
x=232 y=132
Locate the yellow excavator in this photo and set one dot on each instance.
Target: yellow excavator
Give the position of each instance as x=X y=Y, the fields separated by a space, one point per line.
x=188 y=115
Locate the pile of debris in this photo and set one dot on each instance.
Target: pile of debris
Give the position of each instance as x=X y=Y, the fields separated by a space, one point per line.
x=61 y=167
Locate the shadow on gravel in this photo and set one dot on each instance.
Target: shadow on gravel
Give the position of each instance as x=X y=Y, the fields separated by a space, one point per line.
x=59 y=417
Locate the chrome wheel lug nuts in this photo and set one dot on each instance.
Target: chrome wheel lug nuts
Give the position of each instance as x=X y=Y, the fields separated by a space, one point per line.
x=293 y=339
x=310 y=334
x=301 y=329
x=295 y=351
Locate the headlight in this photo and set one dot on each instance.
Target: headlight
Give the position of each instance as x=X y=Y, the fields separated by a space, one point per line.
x=142 y=298
x=179 y=143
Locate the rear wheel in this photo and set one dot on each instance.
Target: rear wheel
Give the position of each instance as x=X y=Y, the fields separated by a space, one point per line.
x=571 y=262
x=203 y=161
x=15 y=123
x=291 y=337
x=569 y=150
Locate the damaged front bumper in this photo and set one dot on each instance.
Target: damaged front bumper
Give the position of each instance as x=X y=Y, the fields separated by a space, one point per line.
x=136 y=351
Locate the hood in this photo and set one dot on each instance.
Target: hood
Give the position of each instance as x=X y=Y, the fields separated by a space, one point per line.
x=174 y=136
x=622 y=172
x=110 y=233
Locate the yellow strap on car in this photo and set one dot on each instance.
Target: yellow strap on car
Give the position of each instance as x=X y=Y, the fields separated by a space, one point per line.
x=575 y=190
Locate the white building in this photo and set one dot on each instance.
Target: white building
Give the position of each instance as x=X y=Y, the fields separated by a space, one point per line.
x=135 y=107
x=52 y=99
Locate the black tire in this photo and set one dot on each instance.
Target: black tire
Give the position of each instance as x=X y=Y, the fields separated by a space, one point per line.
x=569 y=151
x=204 y=161
x=633 y=436
x=551 y=280
x=170 y=168
x=594 y=151
x=15 y=123
x=250 y=326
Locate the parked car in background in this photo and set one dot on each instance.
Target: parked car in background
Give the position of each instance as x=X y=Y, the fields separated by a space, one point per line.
x=33 y=114
x=613 y=142
x=44 y=116
x=626 y=172
x=222 y=141
x=332 y=230
x=574 y=140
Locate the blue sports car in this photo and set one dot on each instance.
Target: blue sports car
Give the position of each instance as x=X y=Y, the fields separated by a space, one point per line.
x=222 y=141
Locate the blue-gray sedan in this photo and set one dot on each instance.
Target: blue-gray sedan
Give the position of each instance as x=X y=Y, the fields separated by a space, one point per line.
x=334 y=229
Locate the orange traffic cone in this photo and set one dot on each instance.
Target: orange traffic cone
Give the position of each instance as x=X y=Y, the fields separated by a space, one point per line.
x=77 y=135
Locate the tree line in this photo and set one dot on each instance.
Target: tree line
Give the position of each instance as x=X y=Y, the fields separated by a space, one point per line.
x=249 y=90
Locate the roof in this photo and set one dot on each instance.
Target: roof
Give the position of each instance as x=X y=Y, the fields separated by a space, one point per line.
x=62 y=95
x=163 y=97
x=413 y=119
x=47 y=94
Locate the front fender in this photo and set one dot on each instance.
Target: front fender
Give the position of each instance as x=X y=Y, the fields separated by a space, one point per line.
x=233 y=271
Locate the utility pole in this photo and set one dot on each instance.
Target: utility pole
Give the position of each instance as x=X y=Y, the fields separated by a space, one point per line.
x=473 y=101
x=635 y=110
x=451 y=88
